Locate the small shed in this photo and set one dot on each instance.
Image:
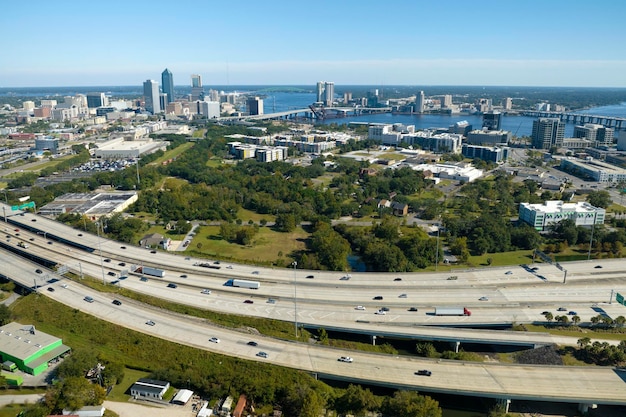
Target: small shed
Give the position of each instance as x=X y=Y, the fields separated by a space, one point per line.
x=182 y=397
x=149 y=388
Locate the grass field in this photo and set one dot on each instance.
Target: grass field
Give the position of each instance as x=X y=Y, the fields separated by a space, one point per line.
x=269 y=246
x=48 y=164
x=118 y=393
x=11 y=410
x=246 y=215
x=173 y=153
x=199 y=133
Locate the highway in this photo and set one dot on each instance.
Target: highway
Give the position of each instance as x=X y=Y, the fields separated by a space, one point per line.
x=518 y=295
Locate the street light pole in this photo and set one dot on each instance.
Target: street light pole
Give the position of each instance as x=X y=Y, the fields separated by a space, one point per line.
x=295 y=296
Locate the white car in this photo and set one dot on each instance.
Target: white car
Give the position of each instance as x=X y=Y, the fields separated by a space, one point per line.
x=347 y=359
x=381 y=312
x=205 y=291
x=214 y=340
x=359 y=308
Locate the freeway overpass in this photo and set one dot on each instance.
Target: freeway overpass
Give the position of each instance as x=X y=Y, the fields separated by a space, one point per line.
x=583 y=385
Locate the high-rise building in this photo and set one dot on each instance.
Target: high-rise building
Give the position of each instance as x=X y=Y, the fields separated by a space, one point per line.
x=547 y=132
x=508 y=103
x=197 y=91
x=320 y=91
x=96 y=100
x=446 y=101
x=151 y=96
x=492 y=120
x=255 y=106
x=329 y=93
x=167 y=83
x=595 y=133
x=28 y=105
x=325 y=93
x=419 y=102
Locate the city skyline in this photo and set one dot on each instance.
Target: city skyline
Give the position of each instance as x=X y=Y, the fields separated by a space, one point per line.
x=532 y=43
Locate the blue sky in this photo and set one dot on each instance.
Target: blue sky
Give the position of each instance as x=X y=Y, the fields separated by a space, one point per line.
x=276 y=42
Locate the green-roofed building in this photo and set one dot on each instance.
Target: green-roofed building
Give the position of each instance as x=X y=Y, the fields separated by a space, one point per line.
x=28 y=348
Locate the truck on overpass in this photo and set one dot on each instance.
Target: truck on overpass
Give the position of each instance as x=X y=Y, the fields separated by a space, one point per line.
x=452 y=311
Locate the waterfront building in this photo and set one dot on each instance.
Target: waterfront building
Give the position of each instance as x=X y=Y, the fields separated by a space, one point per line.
x=419 y=102
x=592 y=169
x=488 y=137
x=543 y=216
x=547 y=132
x=508 y=103
x=486 y=153
x=255 y=106
x=492 y=120
x=167 y=83
x=602 y=136
x=95 y=100
x=151 y=96
x=462 y=128
x=329 y=94
x=197 y=91
x=446 y=101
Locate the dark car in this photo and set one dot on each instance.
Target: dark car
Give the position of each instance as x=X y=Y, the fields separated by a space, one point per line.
x=413 y=309
x=183 y=276
x=172 y=285
x=143 y=279
x=111 y=273
x=117 y=302
x=252 y=343
x=598 y=266
x=153 y=251
x=310 y=276
x=122 y=264
x=39 y=271
x=378 y=297
x=561 y=309
x=49 y=242
x=384 y=308
x=423 y=372
x=397 y=279
x=248 y=302
x=50 y=289
x=107 y=260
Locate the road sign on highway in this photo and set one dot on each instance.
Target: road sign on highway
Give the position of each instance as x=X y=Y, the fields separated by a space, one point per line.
x=620 y=299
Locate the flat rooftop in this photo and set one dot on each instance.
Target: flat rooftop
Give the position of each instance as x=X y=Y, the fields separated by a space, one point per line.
x=23 y=340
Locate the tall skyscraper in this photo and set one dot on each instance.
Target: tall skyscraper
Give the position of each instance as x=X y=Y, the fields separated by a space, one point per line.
x=419 y=102
x=492 y=120
x=548 y=132
x=320 y=92
x=197 y=91
x=255 y=106
x=508 y=103
x=446 y=101
x=596 y=133
x=167 y=83
x=329 y=93
x=151 y=96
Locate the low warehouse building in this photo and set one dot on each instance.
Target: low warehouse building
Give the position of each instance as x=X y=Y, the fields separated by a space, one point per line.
x=29 y=349
x=149 y=388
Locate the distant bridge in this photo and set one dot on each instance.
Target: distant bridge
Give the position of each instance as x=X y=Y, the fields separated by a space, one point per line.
x=617 y=123
x=319 y=113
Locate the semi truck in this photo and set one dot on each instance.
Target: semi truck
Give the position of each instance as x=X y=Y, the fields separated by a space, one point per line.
x=146 y=270
x=452 y=311
x=242 y=283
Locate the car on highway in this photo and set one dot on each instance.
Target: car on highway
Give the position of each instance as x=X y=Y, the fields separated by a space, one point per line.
x=413 y=309
x=122 y=264
x=111 y=273
x=64 y=286
x=572 y=313
x=397 y=279
x=183 y=276
x=345 y=277
x=508 y=272
x=598 y=266
x=122 y=247
x=248 y=302
x=172 y=285
x=80 y=234
x=483 y=299
x=17 y=230
x=150 y=323
x=271 y=301
x=89 y=299
x=143 y=279
x=214 y=340
x=117 y=302
x=423 y=372
x=252 y=343
x=561 y=309
x=153 y=251
x=545 y=312
x=107 y=260
x=49 y=242
x=381 y=312
x=50 y=289
x=347 y=359
x=32 y=239
x=206 y=291
x=262 y=355
x=255 y=272
x=402 y=296
x=378 y=297
x=361 y=308
x=310 y=276
x=39 y=271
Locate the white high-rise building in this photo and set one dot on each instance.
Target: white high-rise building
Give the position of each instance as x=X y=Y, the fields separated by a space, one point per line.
x=419 y=102
x=152 y=96
x=446 y=101
x=197 y=91
x=325 y=93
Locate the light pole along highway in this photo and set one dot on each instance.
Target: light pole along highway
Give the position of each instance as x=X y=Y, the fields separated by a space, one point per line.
x=295 y=296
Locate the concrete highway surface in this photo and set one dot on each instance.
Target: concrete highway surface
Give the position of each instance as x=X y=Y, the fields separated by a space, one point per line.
x=517 y=296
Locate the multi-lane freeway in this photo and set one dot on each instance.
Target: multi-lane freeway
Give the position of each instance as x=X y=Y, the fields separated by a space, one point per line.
x=512 y=294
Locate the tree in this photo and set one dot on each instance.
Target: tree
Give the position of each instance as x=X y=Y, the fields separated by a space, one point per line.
x=5 y=314
x=76 y=392
x=584 y=342
x=411 y=404
x=549 y=316
x=286 y=222
x=576 y=319
x=600 y=198
x=357 y=400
